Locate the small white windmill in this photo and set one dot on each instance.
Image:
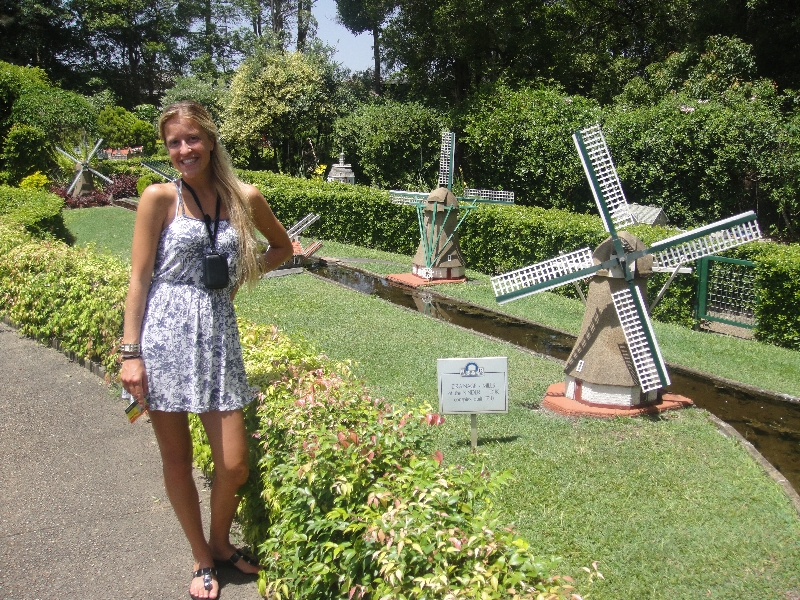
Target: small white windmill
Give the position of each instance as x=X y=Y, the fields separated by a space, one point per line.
x=83 y=182
x=438 y=255
x=616 y=361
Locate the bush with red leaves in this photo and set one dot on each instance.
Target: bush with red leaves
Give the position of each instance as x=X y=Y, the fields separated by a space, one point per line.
x=122 y=186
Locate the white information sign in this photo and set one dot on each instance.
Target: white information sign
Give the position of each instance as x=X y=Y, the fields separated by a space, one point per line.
x=473 y=385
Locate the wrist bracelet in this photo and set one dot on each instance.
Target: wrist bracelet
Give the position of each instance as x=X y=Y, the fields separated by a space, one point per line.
x=130 y=348
x=130 y=356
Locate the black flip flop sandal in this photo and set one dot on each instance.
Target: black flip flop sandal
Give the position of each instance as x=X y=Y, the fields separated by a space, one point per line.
x=208 y=574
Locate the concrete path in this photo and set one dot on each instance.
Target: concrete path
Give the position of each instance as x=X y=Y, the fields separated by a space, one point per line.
x=83 y=511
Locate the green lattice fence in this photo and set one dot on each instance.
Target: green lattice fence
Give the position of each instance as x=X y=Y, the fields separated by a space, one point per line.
x=726 y=291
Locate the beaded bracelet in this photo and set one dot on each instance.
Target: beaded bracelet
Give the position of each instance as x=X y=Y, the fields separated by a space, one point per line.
x=130 y=348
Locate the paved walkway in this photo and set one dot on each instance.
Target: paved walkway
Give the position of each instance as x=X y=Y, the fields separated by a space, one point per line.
x=82 y=503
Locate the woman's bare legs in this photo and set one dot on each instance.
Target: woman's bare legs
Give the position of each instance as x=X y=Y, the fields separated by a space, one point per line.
x=229 y=450
x=175 y=443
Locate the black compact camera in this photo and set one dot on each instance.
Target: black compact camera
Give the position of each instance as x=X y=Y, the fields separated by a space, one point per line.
x=215 y=271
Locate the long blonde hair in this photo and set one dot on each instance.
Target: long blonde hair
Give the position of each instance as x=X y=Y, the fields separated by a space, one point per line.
x=227 y=185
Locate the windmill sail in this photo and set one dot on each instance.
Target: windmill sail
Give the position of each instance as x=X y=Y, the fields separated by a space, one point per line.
x=707 y=240
x=638 y=331
x=490 y=196
x=447 y=159
x=407 y=198
x=603 y=179
x=544 y=275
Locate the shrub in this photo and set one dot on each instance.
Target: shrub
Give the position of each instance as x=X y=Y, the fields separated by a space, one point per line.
x=37 y=210
x=121 y=129
x=520 y=140
x=392 y=144
x=26 y=150
x=122 y=186
x=344 y=502
x=37 y=181
x=54 y=291
x=145 y=180
x=352 y=214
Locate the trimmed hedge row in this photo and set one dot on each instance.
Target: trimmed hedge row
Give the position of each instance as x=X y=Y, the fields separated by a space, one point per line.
x=52 y=290
x=497 y=239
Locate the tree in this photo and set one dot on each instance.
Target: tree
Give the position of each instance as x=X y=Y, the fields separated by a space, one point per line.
x=121 y=129
x=392 y=144
x=360 y=16
x=279 y=111
x=40 y=33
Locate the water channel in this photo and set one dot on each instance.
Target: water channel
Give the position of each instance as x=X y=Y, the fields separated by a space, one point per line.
x=769 y=421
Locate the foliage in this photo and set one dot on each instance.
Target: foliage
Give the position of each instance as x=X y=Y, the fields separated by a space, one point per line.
x=777 y=281
x=520 y=140
x=14 y=81
x=122 y=129
x=392 y=144
x=122 y=186
x=352 y=213
x=35 y=181
x=211 y=94
x=26 y=150
x=36 y=209
x=53 y=291
x=346 y=502
x=708 y=150
x=61 y=114
x=145 y=180
x=279 y=109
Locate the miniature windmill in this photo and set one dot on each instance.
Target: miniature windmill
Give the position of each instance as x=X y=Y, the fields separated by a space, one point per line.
x=83 y=182
x=616 y=360
x=300 y=254
x=438 y=256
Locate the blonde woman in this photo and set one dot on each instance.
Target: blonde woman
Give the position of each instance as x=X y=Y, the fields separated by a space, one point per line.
x=193 y=246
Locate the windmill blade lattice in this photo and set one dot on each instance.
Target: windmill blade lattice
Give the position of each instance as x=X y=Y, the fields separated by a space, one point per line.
x=447 y=159
x=490 y=196
x=638 y=330
x=705 y=241
x=603 y=179
x=545 y=275
x=407 y=198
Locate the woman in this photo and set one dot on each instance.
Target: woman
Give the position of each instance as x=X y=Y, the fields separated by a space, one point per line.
x=180 y=346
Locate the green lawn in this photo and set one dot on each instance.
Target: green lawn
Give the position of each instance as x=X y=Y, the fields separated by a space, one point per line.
x=668 y=506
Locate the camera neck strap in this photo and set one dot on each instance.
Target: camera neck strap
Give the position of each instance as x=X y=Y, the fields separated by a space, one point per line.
x=211 y=236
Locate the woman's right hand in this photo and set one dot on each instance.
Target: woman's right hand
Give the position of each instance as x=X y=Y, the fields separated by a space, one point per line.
x=134 y=378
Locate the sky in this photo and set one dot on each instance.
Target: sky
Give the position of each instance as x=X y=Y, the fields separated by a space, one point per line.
x=354 y=52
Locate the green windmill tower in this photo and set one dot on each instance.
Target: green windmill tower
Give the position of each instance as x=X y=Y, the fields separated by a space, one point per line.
x=616 y=361
x=440 y=214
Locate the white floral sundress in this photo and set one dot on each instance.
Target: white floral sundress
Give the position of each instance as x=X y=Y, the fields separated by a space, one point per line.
x=190 y=341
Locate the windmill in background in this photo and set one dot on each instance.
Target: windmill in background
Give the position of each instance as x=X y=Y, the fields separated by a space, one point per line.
x=83 y=183
x=438 y=258
x=616 y=362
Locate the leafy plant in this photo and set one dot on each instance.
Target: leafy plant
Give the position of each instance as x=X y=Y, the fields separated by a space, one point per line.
x=344 y=502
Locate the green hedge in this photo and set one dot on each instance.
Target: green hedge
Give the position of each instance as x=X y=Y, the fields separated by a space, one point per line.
x=344 y=503
x=496 y=239
x=352 y=214
x=52 y=290
x=37 y=210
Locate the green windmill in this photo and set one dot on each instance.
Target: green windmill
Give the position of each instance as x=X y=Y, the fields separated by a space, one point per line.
x=440 y=214
x=616 y=361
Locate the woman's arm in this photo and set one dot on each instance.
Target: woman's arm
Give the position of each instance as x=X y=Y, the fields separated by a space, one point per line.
x=280 y=246
x=151 y=216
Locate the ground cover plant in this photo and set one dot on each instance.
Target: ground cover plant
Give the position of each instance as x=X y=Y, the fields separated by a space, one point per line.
x=669 y=507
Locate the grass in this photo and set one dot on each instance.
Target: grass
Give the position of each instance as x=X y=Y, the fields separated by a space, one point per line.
x=668 y=506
